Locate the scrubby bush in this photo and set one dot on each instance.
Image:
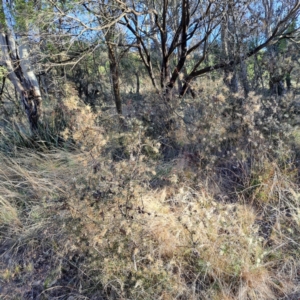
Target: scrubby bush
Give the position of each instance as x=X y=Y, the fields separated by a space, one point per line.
x=194 y=199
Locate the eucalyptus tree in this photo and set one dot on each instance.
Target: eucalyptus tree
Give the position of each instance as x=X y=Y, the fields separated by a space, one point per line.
x=200 y=24
x=16 y=58
x=95 y=23
x=173 y=27
x=170 y=31
x=281 y=61
x=245 y=21
x=107 y=12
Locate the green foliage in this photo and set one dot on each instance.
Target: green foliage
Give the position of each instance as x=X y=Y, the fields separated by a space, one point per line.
x=3 y=72
x=283 y=43
x=102 y=70
x=24 y=12
x=2 y=17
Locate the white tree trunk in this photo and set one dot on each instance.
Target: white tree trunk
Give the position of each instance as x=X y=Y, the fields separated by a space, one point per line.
x=20 y=73
x=26 y=67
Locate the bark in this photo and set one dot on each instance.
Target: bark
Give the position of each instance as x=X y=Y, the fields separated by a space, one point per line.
x=276 y=77
x=164 y=37
x=185 y=17
x=137 y=83
x=2 y=89
x=228 y=49
x=288 y=81
x=231 y=79
x=258 y=74
x=244 y=78
x=20 y=73
x=114 y=73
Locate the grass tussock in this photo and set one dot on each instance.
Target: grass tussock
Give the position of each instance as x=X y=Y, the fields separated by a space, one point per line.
x=184 y=201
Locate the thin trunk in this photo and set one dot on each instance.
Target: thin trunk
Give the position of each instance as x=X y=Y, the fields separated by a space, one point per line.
x=179 y=81
x=164 y=72
x=228 y=31
x=244 y=78
x=288 y=81
x=231 y=79
x=114 y=72
x=2 y=107
x=144 y=52
x=224 y=43
x=185 y=19
x=258 y=74
x=137 y=83
x=2 y=88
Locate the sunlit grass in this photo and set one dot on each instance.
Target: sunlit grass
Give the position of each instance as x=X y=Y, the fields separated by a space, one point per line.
x=199 y=212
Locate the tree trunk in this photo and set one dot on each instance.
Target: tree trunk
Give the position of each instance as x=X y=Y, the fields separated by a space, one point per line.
x=114 y=73
x=258 y=77
x=288 y=81
x=20 y=73
x=244 y=78
x=231 y=79
x=230 y=76
x=164 y=72
x=183 y=50
x=137 y=83
x=276 y=85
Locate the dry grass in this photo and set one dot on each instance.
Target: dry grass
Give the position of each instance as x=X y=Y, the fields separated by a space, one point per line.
x=124 y=217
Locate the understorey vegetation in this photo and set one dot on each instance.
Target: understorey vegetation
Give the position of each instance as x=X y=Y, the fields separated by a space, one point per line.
x=149 y=150
x=198 y=199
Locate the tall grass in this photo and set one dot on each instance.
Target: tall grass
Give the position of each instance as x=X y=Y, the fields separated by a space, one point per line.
x=208 y=208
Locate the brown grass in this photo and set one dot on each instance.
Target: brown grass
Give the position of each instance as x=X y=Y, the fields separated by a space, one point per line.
x=120 y=217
